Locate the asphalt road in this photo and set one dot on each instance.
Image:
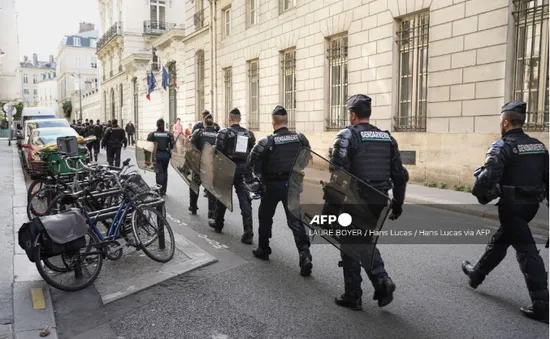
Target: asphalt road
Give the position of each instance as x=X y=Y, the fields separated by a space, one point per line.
x=243 y=297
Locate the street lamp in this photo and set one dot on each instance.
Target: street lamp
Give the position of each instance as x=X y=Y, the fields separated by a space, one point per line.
x=79 y=76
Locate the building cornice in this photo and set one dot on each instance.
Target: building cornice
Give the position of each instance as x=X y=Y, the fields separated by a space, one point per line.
x=175 y=34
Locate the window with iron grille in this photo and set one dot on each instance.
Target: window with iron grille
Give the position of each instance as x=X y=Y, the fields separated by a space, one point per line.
x=285 y=5
x=338 y=81
x=531 y=60
x=253 y=95
x=158 y=11
x=227 y=22
x=412 y=39
x=288 y=85
x=228 y=93
x=199 y=57
x=253 y=12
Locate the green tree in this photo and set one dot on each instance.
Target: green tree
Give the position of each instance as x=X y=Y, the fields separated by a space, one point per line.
x=19 y=110
x=67 y=108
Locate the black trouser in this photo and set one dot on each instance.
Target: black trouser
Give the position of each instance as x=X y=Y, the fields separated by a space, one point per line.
x=93 y=148
x=163 y=160
x=514 y=231
x=113 y=155
x=194 y=197
x=130 y=139
x=275 y=192
x=245 y=203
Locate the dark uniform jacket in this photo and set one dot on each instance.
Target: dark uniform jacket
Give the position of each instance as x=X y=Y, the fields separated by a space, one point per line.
x=204 y=136
x=227 y=143
x=114 y=137
x=164 y=140
x=200 y=125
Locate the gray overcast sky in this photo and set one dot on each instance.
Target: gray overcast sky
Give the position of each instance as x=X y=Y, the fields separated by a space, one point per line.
x=43 y=23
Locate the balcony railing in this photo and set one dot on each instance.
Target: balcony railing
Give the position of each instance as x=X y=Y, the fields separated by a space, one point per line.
x=114 y=31
x=199 y=19
x=152 y=27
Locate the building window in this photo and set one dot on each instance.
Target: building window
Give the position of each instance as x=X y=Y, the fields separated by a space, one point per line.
x=121 y=95
x=412 y=39
x=253 y=94
x=158 y=11
x=228 y=92
x=338 y=82
x=76 y=62
x=288 y=85
x=93 y=62
x=136 y=103
x=285 y=5
x=227 y=22
x=112 y=61
x=93 y=43
x=199 y=57
x=156 y=64
x=76 y=41
x=198 y=17
x=34 y=78
x=531 y=61
x=26 y=91
x=253 y=12
x=25 y=78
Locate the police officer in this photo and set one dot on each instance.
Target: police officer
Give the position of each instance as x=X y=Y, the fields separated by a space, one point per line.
x=226 y=142
x=97 y=131
x=373 y=156
x=271 y=160
x=113 y=139
x=164 y=142
x=199 y=138
x=516 y=171
x=200 y=124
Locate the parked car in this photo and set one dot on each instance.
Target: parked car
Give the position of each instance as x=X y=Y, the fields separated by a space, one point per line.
x=39 y=161
x=43 y=123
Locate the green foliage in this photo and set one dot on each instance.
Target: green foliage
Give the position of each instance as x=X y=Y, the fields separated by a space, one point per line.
x=67 y=108
x=443 y=185
x=468 y=189
x=19 y=110
x=459 y=188
x=430 y=184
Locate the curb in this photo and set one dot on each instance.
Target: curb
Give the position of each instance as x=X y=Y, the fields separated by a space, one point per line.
x=28 y=321
x=464 y=209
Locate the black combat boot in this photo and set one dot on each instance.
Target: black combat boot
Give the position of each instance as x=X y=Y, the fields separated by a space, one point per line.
x=262 y=253
x=476 y=277
x=217 y=226
x=383 y=292
x=537 y=311
x=350 y=299
x=305 y=264
x=248 y=234
x=193 y=210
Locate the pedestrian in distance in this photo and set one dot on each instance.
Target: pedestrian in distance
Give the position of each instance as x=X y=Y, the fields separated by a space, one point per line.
x=371 y=155
x=130 y=131
x=164 y=142
x=177 y=129
x=226 y=143
x=188 y=130
x=114 y=139
x=272 y=160
x=516 y=172
x=201 y=137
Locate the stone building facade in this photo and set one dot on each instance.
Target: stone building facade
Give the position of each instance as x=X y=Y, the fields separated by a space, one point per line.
x=47 y=93
x=32 y=72
x=10 y=76
x=438 y=71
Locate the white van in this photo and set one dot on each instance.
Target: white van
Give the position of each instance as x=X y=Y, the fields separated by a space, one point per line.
x=37 y=113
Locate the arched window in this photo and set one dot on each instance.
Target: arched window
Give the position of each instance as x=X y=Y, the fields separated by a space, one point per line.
x=113 y=104
x=199 y=85
x=105 y=105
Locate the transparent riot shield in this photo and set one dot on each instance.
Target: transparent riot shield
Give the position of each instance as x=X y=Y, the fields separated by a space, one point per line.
x=186 y=160
x=146 y=155
x=337 y=206
x=217 y=173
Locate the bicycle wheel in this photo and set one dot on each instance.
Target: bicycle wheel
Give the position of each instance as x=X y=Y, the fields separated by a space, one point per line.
x=40 y=201
x=148 y=222
x=81 y=268
x=35 y=186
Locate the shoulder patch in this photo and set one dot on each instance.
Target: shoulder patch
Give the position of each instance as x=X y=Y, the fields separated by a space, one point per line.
x=375 y=136
x=530 y=149
x=286 y=139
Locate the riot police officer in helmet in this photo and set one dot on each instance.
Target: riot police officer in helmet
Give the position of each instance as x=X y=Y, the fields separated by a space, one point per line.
x=371 y=155
x=272 y=160
x=98 y=132
x=226 y=142
x=199 y=138
x=201 y=124
x=114 y=138
x=516 y=171
x=165 y=143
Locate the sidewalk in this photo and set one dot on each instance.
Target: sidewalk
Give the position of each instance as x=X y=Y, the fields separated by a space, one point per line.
x=26 y=303
x=461 y=202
